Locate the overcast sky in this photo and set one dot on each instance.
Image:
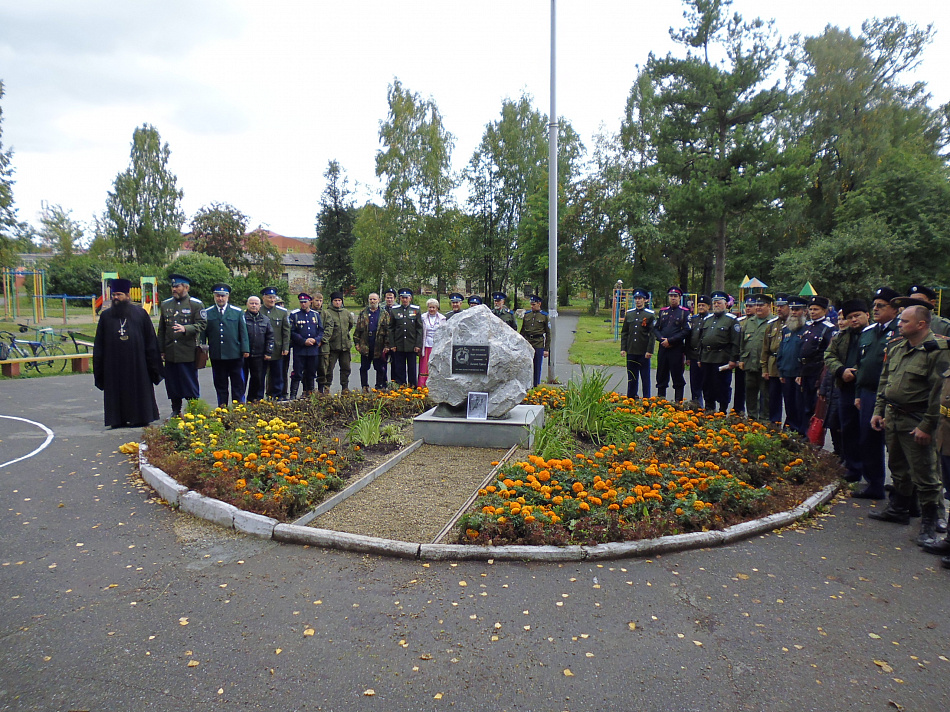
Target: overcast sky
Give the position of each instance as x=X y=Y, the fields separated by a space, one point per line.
x=254 y=98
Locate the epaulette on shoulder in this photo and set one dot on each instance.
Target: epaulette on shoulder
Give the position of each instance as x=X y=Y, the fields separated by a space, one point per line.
x=197 y=301
x=231 y=306
x=731 y=315
x=869 y=326
x=827 y=322
x=649 y=311
x=294 y=311
x=938 y=343
x=774 y=318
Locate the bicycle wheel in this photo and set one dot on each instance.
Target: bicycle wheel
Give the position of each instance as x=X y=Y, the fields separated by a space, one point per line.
x=49 y=366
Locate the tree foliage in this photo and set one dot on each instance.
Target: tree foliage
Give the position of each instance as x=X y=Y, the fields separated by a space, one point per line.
x=218 y=230
x=143 y=214
x=59 y=232
x=335 y=238
x=8 y=221
x=204 y=271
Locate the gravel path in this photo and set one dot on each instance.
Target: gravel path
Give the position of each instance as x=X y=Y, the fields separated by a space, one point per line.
x=417 y=497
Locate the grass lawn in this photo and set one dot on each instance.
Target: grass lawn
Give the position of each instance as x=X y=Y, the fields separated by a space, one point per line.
x=594 y=343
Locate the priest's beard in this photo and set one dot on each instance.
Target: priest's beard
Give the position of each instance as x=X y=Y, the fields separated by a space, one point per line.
x=122 y=309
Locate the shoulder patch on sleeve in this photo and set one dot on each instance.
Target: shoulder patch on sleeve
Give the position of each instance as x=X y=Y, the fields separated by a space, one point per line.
x=204 y=313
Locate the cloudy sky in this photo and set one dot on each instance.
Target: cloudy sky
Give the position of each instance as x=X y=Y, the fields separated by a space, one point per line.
x=254 y=98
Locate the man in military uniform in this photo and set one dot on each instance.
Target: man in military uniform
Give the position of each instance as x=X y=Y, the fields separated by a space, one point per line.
x=280 y=323
x=179 y=329
x=671 y=330
x=789 y=362
x=841 y=360
x=474 y=300
x=503 y=312
x=228 y=346
x=536 y=329
x=815 y=339
x=750 y=358
x=867 y=379
x=405 y=338
x=739 y=394
x=940 y=405
x=719 y=352
x=370 y=335
x=637 y=342
x=928 y=297
x=306 y=334
x=323 y=362
x=336 y=338
x=455 y=303
x=912 y=368
x=692 y=351
x=770 y=346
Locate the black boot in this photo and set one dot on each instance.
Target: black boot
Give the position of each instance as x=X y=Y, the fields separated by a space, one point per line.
x=941 y=518
x=896 y=510
x=294 y=388
x=678 y=394
x=928 y=524
x=940 y=546
x=945 y=562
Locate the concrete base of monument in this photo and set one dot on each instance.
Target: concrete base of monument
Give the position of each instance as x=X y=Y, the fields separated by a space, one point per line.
x=518 y=427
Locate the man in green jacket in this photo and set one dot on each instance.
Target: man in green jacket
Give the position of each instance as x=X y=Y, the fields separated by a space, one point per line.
x=750 y=358
x=228 y=346
x=337 y=342
x=280 y=322
x=180 y=327
x=719 y=351
x=912 y=367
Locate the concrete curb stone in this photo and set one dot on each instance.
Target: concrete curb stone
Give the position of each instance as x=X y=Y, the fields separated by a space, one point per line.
x=268 y=528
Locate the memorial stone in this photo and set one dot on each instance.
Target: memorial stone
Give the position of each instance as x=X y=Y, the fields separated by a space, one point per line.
x=477 y=351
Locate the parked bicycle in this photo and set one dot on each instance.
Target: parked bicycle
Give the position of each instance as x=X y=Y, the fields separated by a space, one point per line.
x=12 y=347
x=47 y=335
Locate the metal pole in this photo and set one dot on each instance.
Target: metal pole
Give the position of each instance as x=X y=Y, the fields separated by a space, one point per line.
x=552 y=202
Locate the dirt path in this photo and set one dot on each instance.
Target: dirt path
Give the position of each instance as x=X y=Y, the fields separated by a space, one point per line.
x=415 y=499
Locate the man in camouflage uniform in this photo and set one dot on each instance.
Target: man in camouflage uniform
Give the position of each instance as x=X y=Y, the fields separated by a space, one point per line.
x=370 y=335
x=180 y=327
x=337 y=325
x=719 y=351
x=503 y=312
x=671 y=330
x=280 y=323
x=770 y=346
x=405 y=339
x=739 y=397
x=637 y=342
x=692 y=350
x=940 y=405
x=912 y=368
x=750 y=357
x=536 y=329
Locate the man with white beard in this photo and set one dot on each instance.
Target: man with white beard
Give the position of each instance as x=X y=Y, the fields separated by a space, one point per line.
x=790 y=364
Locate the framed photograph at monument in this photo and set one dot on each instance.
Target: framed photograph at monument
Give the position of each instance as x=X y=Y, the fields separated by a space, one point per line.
x=477 y=406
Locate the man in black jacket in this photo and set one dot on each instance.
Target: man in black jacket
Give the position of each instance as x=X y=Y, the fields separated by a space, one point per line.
x=671 y=329
x=260 y=335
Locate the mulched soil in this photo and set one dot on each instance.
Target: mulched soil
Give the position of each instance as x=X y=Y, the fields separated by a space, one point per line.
x=415 y=499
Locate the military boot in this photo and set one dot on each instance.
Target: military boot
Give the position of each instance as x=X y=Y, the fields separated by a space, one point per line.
x=938 y=546
x=928 y=524
x=678 y=394
x=941 y=518
x=945 y=562
x=294 y=388
x=896 y=510
x=661 y=393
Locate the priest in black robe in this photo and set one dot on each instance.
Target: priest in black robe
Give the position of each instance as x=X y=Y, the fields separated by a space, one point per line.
x=126 y=361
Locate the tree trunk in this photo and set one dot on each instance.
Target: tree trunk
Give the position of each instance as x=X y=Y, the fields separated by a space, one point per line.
x=720 y=277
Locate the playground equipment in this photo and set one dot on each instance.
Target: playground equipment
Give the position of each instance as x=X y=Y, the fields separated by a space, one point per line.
x=145 y=294
x=13 y=281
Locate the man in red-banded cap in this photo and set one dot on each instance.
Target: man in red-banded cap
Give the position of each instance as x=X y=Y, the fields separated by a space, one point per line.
x=671 y=329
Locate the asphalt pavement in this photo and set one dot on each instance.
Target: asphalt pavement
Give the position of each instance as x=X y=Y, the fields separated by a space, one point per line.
x=113 y=601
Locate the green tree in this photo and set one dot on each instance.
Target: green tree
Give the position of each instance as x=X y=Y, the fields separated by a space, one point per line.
x=143 y=214
x=8 y=221
x=204 y=271
x=263 y=258
x=415 y=166
x=712 y=124
x=75 y=275
x=374 y=263
x=59 y=232
x=218 y=230
x=335 y=238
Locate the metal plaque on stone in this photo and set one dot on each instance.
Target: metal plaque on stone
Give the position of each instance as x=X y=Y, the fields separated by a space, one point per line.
x=470 y=359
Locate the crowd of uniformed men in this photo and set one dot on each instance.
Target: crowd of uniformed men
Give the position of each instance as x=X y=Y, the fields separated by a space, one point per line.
x=877 y=377
x=250 y=350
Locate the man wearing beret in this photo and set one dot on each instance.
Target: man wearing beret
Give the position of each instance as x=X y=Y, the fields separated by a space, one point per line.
x=637 y=342
x=867 y=379
x=180 y=327
x=671 y=330
x=228 y=346
x=693 y=348
x=750 y=358
x=455 y=304
x=841 y=359
x=280 y=323
x=815 y=339
x=719 y=351
x=536 y=329
x=503 y=312
x=405 y=339
x=126 y=361
x=336 y=338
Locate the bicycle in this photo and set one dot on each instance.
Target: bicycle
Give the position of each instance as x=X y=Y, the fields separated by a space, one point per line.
x=14 y=348
x=45 y=335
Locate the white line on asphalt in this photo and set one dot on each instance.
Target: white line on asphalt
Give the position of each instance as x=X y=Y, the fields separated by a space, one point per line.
x=49 y=439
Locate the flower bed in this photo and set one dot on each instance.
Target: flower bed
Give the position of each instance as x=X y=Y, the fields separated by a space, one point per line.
x=276 y=459
x=660 y=469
